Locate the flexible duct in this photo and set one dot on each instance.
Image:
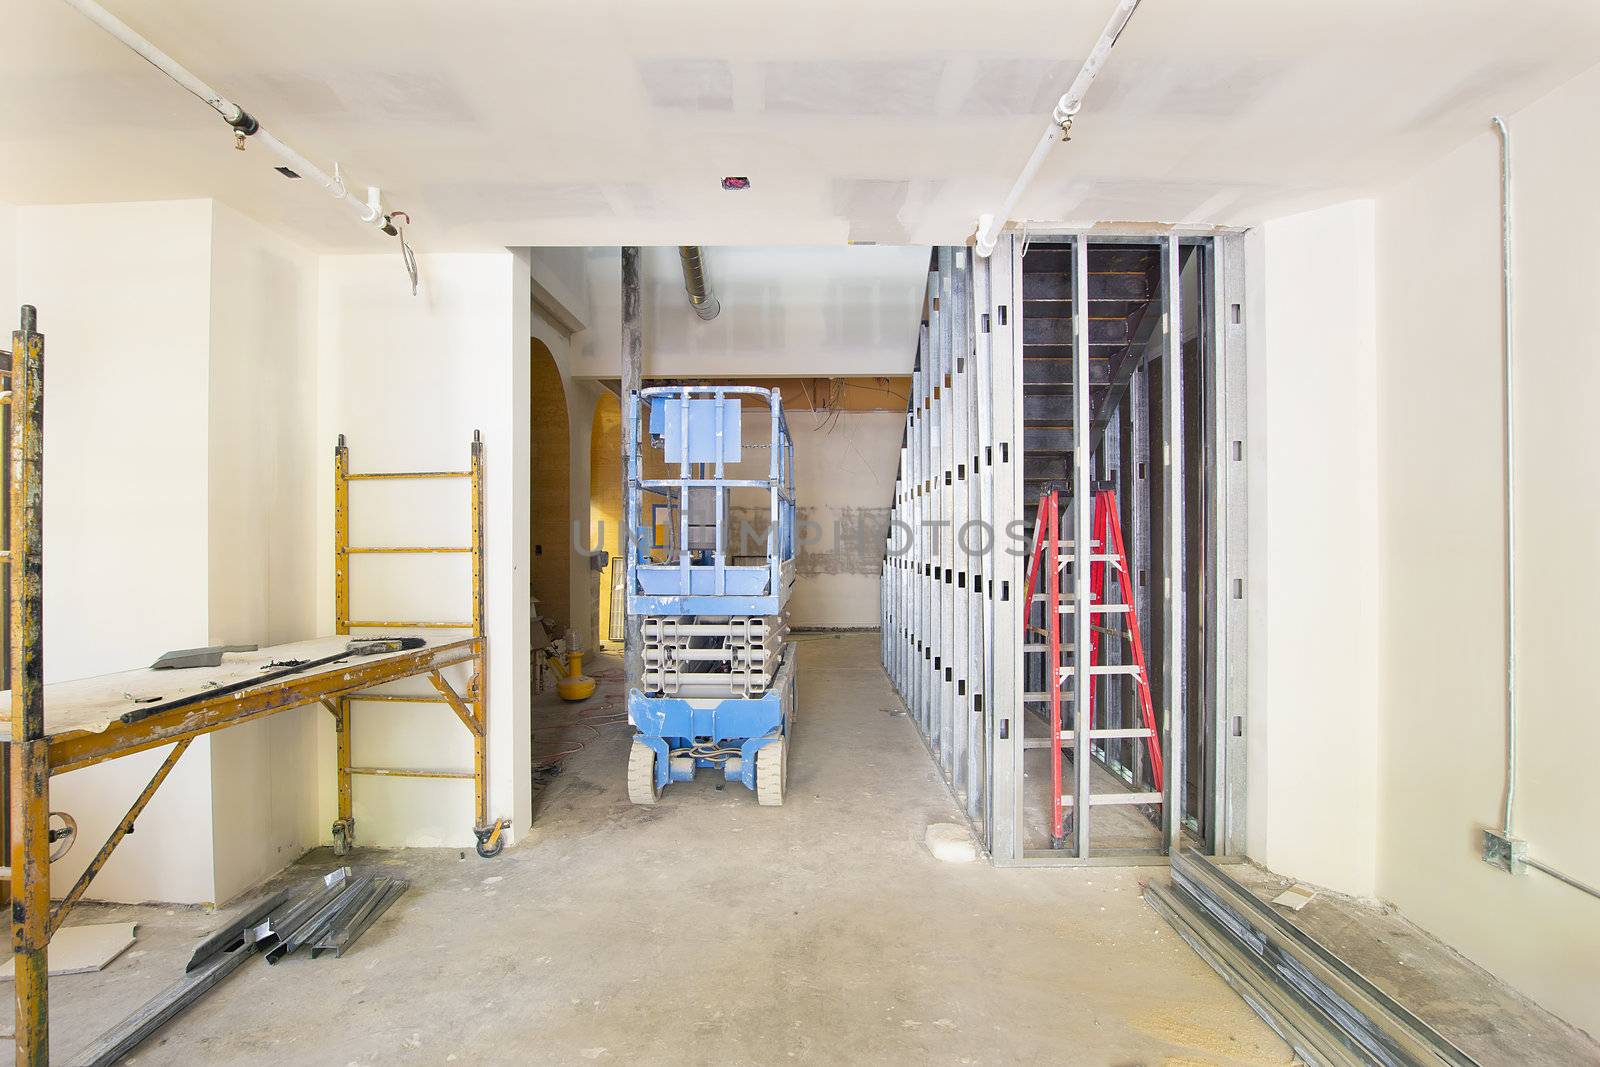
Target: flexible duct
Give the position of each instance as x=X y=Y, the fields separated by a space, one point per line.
x=701 y=298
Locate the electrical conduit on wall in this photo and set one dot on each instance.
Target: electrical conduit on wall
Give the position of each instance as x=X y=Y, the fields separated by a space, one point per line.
x=1505 y=849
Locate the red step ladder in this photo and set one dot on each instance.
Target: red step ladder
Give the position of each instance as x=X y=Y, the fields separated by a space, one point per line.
x=1048 y=558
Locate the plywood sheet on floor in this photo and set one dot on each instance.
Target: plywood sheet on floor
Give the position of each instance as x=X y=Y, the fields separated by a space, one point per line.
x=81 y=949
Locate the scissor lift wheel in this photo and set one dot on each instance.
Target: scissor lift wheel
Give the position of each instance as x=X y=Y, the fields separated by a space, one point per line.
x=772 y=767
x=642 y=774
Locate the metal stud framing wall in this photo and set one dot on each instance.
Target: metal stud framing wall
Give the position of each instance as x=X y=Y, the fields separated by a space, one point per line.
x=954 y=574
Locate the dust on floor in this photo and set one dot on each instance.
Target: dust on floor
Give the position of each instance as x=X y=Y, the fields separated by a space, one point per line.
x=708 y=929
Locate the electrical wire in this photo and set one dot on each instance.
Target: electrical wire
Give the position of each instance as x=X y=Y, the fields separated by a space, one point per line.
x=407 y=256
x=593 y=719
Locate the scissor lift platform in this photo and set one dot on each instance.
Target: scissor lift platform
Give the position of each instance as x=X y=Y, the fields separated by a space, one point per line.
x=715 y=688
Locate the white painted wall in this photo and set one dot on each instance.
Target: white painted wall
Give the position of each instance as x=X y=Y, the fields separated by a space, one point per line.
x=262 y=534
x=844 y=484
x=179 y=399
x=1442 y=609
x=123 y=292
x=10 y=302
x=408 y=379
x=1314 y=548
x=814 y=309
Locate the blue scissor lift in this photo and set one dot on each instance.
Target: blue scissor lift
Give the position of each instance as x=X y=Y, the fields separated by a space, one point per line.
x=709 y=593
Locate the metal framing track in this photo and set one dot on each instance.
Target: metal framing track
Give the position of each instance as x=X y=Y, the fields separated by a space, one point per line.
x=1328 y=1012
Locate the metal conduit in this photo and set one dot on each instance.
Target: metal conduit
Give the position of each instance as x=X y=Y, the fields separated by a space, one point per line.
x=701 y=298
x=1059 y=126
x=370 y=211
x=1507 y=340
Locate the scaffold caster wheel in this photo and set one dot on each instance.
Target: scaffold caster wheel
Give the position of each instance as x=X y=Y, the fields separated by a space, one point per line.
x=642 y=788
x=490 y=840
x=342 y=838
x=772 y=768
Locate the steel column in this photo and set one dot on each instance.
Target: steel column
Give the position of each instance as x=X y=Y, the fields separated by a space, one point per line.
x=1004 y=307
x=1231 y=522
x=1082 y=553
x=632 y=358
x=1138 y=504
x=30 y=751
x=1109 y=464
x=1172 y=543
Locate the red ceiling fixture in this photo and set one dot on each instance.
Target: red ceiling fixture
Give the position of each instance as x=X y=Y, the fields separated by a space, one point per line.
x=736 y=183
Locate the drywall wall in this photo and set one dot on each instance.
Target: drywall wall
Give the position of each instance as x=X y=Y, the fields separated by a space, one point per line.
x=409 y=379
x=10 y=302
x=579 y=398
x=262 y=534
x=844 y=471
x=550 y=492
x=1314 y=548
x=1442 y=623
x=123 y=292
x=178 y=482
x=605 y=498
x=822 y=310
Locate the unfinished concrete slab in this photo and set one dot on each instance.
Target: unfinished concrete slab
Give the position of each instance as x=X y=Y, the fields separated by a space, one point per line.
x=1482 y=1016
x=708 y=928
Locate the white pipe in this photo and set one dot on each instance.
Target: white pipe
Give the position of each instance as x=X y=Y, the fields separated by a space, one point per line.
x=990 y=225
x=1507 y=338
x=241 y=120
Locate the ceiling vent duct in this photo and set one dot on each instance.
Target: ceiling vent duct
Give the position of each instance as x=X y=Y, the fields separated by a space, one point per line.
x=701 y=298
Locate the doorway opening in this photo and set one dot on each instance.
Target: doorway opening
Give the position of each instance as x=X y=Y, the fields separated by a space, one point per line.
x=550 y=495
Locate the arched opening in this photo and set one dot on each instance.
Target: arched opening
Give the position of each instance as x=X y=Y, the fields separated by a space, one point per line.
x=605 y=503
x=550 y=493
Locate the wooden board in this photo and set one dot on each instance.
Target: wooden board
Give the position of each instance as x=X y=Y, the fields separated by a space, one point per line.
x=93 y=704
x=81 y=949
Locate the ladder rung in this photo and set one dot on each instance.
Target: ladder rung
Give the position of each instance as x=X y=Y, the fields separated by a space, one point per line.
x=410 y=625
x=1096 y=799
x=1070 y=608
x=406 y=550
x=390 y=772
x=1068 y=738
x=399 y=698
x=1110 y=668
x=405 y=475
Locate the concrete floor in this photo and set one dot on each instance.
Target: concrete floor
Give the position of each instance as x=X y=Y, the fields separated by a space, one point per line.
x=709 y=929
x=1485 y=1018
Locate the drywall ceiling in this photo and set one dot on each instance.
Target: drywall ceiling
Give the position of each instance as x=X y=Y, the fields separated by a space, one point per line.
x=512 y=122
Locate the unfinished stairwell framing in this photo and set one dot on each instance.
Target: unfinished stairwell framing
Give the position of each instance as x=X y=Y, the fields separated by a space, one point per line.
x=996 y=420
